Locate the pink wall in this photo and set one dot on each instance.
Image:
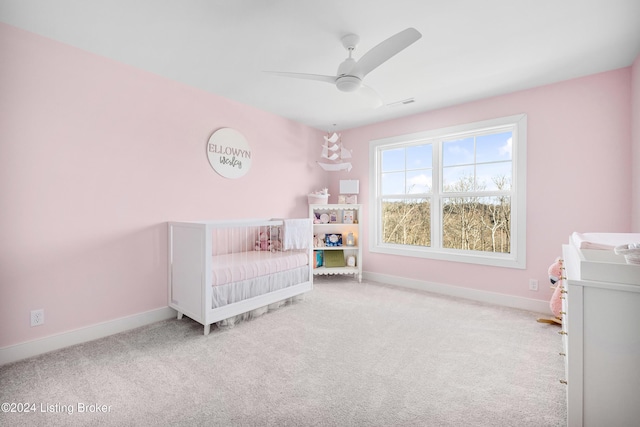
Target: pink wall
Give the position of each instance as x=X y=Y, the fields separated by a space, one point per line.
x=579 y=175
x=95 y=157
x=635 y=121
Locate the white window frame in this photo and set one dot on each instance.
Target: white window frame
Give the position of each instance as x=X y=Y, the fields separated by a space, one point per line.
x=517 y=257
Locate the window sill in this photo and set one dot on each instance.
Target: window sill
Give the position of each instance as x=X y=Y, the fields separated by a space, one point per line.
x=469 y=257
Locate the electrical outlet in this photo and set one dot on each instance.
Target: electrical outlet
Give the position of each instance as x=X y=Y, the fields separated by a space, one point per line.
x=533 y=284
x=37 y=317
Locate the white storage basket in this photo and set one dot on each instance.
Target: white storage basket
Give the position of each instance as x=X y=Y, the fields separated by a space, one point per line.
x=318 y=199
x=631 y=252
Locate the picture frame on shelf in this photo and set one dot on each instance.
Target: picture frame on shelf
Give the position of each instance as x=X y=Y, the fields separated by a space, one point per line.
x=333 y=217
x=351 y=261
x=347 y=217
x=332 y=240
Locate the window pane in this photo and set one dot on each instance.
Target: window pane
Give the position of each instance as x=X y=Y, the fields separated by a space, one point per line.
x=392 y=160
x=419 y=157
x=393 y=183
x=494 y=147
x=419 y=181
x=406 y=222
x=458 y=179
x=477 y=223
x=494 y=176
x=457 y=152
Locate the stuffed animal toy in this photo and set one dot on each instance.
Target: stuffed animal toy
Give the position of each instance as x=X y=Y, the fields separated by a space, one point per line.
x=263 y=243
x=276 y=240
x=555 y=277
x=318 y=240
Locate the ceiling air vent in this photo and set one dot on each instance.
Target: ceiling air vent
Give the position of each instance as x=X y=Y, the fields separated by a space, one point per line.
x=403 y=102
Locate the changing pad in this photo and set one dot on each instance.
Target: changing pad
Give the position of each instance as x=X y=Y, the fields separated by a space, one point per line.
x=603 y=241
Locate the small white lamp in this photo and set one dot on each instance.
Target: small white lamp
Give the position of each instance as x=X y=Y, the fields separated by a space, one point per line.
x=351 y=241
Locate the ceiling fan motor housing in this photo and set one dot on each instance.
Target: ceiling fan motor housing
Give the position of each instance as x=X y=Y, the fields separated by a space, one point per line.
x=348 y=83
x=346 y=66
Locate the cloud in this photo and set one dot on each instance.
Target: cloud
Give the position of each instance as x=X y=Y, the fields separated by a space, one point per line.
x=506 y=148
x=419 y=184
x=458 y=150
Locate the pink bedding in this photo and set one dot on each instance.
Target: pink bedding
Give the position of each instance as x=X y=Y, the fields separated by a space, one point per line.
x=235 y=267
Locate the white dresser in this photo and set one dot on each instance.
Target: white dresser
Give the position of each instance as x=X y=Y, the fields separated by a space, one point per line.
x=601 y=333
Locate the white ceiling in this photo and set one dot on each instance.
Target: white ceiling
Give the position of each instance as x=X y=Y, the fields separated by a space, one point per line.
x=469 y=49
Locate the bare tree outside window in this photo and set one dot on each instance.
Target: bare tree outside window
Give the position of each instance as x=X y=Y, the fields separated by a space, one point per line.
x=476 y=223
x=472 y=223
x=407 y=222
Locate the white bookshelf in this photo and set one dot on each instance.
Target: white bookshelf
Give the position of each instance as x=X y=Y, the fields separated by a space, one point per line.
x=338 y=220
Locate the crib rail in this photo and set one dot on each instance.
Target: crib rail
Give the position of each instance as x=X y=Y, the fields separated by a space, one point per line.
x=233 y=223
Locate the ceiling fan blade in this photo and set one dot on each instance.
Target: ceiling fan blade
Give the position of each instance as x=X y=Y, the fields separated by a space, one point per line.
x=384 y=51
x=373 y=98
x=317 y=77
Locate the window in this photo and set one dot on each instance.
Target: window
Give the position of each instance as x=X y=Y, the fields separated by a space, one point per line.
x=456 y=194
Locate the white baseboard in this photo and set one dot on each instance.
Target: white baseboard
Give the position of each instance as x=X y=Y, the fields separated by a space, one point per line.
x=528 y=304
x=55 y=342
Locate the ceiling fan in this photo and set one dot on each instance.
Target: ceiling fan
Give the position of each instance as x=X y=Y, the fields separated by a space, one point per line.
x=351 y=72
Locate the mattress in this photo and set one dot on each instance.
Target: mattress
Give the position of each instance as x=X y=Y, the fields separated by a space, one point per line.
x=233 y=292
x=242 y=266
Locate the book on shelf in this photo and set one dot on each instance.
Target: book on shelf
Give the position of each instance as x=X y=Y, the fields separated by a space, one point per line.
x=334 y=259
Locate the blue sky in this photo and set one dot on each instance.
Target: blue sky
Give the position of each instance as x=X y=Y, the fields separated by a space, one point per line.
x=484 y=157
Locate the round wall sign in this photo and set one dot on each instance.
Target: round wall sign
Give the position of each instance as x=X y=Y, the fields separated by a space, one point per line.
x=229 y=153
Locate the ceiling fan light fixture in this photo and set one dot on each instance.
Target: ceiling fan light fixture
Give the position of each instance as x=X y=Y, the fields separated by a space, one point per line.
x=348 y=83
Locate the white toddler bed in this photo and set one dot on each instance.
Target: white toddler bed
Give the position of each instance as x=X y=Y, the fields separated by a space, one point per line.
x=221 y=269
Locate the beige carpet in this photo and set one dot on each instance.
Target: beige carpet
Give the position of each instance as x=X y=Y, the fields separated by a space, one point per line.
x=350 y=354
